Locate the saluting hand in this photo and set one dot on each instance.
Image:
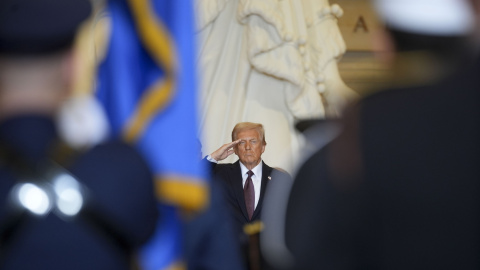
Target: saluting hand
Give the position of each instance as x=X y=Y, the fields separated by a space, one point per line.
x=224 y=151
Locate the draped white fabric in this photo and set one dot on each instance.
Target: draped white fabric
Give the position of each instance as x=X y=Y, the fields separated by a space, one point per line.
x=271 y=62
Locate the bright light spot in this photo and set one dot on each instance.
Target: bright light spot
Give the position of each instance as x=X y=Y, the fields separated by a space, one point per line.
x=69 y=202
x=34 y=199
x=69 y=197
x=64 y=181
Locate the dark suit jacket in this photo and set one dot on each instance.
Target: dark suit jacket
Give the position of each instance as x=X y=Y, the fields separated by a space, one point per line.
x=399 y=188
x=230 y=175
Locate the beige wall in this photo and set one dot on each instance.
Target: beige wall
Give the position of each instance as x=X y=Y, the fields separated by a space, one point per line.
x=358 y=24
x=358 y=67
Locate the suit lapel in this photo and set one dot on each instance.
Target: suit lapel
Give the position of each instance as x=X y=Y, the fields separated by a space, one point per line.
x=237 y=185
x=266 y=172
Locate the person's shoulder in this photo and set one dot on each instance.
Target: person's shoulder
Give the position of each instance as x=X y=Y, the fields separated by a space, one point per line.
x=117 y=151
x=281 y=171
x=395 y=98
x=276 y=172
x=116 y=155
x=280 y=174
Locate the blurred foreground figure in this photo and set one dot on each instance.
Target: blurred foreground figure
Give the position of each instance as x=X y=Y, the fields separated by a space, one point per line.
x=399 y=188
x=60 y=208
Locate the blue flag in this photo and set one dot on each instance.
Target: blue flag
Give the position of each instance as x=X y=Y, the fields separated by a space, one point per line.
x=148 y=87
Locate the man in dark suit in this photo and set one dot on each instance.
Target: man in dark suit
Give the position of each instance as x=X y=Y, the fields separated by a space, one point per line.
x=399 y=188
x=60 y=208
x=245 y=183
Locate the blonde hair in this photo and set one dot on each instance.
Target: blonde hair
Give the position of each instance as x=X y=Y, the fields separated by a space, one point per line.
x=242 y=126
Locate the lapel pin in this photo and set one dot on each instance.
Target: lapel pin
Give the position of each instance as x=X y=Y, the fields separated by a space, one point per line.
x=269 y=178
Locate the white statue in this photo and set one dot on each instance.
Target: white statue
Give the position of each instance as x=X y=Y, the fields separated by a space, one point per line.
x=268 y=61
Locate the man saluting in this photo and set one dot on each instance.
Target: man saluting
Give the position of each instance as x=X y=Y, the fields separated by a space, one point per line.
x=245 y=182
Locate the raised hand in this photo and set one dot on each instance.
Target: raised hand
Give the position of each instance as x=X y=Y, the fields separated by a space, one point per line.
x=224 y=151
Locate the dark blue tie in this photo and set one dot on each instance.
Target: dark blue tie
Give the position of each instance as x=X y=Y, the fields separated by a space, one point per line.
x=249 y=195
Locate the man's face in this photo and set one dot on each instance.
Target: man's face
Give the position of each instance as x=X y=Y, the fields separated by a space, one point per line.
x=250 y=148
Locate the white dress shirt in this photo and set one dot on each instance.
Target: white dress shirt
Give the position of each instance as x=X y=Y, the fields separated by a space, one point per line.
x=256 y=179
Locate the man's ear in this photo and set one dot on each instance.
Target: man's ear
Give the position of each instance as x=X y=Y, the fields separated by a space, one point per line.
x=263 y=147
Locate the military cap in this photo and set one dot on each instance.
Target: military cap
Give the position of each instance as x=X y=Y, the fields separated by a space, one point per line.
x=40 y=26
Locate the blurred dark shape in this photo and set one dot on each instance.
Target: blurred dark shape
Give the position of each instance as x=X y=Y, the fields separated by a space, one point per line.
x=399 y=187
x=307 y=123
x=209 y=239
x=317 y=132
x=31 y=26
x=272 y=239
x=442 y=46
x=60 y=208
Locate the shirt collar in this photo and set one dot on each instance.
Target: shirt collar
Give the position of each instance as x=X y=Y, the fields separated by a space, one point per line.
x=257 y=170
